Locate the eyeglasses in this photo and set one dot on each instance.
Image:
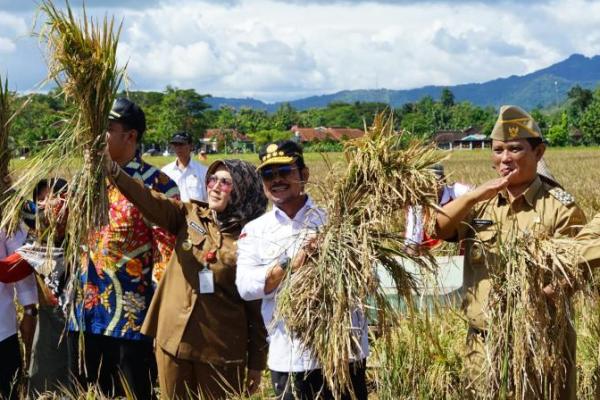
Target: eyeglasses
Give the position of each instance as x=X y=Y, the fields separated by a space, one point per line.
x=283 y=171
x=225 y=184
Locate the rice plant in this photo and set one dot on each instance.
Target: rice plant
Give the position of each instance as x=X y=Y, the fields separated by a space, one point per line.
x=5 y=117
x=424 y=360
x=81 y=58
x=531 y=339
x=364 y=206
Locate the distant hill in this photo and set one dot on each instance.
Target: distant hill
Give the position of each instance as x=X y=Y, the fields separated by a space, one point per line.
x=545 y=87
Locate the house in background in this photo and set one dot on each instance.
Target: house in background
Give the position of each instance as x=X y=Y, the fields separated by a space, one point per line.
x=470 y=138
x=223 y=140
x=305 y=135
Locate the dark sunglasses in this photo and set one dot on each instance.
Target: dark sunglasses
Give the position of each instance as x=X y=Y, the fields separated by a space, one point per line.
x=224 y=183
x=283 y=171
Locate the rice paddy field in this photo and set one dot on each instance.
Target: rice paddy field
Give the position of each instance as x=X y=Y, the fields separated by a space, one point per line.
x=577 y=168
x=433 y=371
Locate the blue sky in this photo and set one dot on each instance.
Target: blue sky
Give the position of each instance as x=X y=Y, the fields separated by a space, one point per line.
x=287 y=49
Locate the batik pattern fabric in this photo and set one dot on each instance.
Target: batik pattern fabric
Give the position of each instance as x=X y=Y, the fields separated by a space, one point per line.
x=124 y=262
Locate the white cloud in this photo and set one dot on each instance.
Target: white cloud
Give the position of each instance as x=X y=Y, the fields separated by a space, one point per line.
x=13 y=23
x=7 y=45
x=277 y=50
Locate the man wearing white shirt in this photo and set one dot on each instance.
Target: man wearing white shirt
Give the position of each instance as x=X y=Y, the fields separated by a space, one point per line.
x=189 y=175
x=269 y=246
x=26 y=294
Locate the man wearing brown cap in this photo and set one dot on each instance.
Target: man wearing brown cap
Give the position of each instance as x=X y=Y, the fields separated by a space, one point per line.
x=520 y=200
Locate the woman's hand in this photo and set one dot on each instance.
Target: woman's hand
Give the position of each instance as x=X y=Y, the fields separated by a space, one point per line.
x=253 y=381
x=111 y=168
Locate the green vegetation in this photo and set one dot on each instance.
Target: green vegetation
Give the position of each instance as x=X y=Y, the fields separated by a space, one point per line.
x=577 y=121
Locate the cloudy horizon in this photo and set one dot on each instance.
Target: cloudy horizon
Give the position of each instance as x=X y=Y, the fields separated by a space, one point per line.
x=276 y=50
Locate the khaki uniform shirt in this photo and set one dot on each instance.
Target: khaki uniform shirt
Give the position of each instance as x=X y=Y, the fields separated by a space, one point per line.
x=589 y=237
x=218 y=328
x=541 y=208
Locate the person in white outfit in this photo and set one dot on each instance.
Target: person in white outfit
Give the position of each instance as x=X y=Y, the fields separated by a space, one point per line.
x=416 y=219
x=277 y=242
x=25 y=291
x=188 y=174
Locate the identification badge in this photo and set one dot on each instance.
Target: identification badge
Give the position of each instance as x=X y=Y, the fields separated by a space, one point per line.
x=482 y=222
x=197 y=227
x=207 y=281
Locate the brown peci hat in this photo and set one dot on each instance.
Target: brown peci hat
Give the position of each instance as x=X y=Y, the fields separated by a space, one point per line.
x=515 y=123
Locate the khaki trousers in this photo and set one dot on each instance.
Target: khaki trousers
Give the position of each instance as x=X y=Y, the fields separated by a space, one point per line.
x=474 y=367
x=184 y=379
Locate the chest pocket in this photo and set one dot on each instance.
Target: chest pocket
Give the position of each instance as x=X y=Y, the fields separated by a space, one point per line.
x=196 y=235
x=482 y=251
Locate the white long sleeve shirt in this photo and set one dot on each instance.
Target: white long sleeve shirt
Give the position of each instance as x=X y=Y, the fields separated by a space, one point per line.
x=25 y=289
x=191 y=180
x=261 y=244
x=415 y=223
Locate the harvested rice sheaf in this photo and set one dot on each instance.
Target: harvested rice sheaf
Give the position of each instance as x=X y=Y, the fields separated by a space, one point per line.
x=81 y=57
x=82 y=61
x=5 y=117
x=527 y=348
x=365 y=207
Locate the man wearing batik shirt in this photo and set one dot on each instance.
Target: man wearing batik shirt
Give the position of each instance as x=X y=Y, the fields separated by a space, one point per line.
x=116 y=283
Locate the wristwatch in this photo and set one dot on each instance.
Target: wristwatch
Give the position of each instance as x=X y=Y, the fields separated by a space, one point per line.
x=284 y=262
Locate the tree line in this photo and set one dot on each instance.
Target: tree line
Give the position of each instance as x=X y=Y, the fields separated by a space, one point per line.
x=577 y=120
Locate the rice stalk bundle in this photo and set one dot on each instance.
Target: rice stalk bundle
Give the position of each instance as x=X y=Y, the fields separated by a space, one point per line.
x=83 y=62
x=81 y=57
x=588 y=345
x=322 y=302
x=527 y=346
x=5 y=117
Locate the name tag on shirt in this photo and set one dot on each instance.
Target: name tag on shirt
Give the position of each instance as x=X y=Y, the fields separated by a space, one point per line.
x=478 y=223
x=207 y=281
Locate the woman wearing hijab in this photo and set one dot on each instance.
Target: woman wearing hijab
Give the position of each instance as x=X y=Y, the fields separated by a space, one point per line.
x=208 y=340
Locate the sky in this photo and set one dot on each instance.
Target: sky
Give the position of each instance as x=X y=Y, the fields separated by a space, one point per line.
x=276 y=50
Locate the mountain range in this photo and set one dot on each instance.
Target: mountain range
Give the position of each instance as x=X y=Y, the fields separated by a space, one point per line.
x=543 y=88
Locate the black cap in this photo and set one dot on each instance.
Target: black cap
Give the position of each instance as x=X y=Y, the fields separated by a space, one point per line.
x=181 y=138
x=281 y=152
x=126 y=111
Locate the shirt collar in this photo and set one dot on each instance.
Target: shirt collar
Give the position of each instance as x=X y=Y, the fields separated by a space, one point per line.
x=181 y=167
x=134 y=164
x=529 y=194
x=283 y=217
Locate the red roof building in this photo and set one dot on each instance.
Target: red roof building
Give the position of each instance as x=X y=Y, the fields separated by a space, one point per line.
x=321 y=133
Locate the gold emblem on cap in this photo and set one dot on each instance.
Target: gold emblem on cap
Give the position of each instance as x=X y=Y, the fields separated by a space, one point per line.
x=271 y=148
x=513 y=131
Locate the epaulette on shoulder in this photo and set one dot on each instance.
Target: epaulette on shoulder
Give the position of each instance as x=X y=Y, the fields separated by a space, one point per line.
x=563 y=196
